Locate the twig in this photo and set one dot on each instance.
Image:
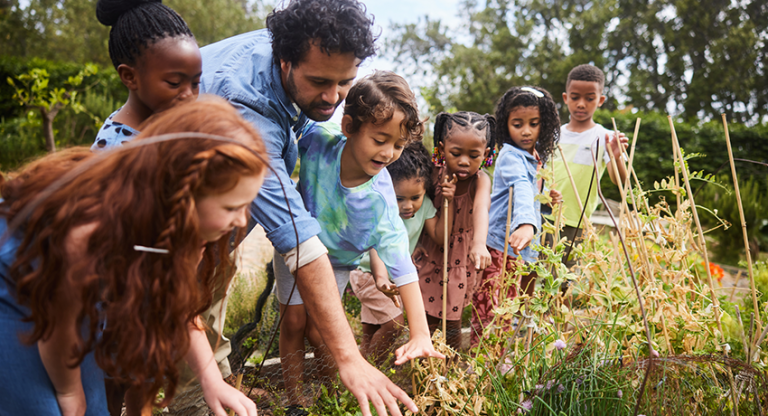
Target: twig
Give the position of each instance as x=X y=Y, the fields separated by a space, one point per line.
x=238 y=382
x=445 y=269
x=502 y=276
x=743 y=223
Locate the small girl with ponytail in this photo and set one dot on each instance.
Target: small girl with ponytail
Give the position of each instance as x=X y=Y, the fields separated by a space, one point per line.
x=529 y=126
x=463 y=143
x=157 y=59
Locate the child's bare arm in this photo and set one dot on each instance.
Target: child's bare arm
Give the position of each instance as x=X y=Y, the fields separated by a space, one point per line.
x=381 y=277
x=478 y=253
x=420 y=344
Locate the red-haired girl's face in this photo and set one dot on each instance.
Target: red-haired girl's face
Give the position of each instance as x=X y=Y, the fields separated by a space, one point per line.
x=219 y=214
x=169 y=73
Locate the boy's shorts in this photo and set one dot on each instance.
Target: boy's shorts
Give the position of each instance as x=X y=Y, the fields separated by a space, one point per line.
x=376 y=307
x=284 y=282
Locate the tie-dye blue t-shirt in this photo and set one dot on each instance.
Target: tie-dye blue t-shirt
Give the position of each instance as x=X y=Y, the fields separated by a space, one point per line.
x=353 y=220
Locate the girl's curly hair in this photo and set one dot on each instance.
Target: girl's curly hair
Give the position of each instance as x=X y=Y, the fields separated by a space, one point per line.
x=414 y=163
x=549 y=130
x=338 y=26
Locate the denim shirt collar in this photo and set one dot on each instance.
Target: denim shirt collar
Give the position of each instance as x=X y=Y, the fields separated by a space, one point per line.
x=282 y=95
x=533 y=158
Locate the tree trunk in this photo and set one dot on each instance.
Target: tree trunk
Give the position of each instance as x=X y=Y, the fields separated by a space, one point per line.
x=48 y=116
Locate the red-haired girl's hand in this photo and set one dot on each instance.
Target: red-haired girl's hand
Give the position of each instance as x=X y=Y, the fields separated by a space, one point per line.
x=521 y=238
x=73 y=403
x=448 y=188
x=220 y=396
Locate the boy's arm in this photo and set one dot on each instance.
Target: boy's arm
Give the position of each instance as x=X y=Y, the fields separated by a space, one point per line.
x=420 y=344
x=478 y=253
x=616 y=147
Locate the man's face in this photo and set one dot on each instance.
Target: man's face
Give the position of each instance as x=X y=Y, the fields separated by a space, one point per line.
x=319 y=82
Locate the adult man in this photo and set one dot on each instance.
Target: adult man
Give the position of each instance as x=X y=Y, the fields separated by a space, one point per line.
x=301 y=69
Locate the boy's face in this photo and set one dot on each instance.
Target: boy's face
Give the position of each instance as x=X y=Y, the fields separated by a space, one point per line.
x=371 y=148
x=582 y=99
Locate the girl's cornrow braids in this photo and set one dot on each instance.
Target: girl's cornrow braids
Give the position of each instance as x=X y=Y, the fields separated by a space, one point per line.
x=182 y=200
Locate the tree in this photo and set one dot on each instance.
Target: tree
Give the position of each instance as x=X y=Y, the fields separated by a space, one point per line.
x=35 y=93
x=694 y=58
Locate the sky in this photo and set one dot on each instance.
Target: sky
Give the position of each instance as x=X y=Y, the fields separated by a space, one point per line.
x=402 y=11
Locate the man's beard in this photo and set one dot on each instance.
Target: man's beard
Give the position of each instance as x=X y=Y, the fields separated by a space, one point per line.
x=307 y=108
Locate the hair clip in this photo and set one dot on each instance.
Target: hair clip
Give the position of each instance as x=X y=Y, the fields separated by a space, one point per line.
x=489 y=160
x=532 y=91
x=151 y=250
x=437 y=158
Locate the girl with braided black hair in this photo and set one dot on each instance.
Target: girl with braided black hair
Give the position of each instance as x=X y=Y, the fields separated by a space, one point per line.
x=529 y=126
x=463 y=145
x=157 y=59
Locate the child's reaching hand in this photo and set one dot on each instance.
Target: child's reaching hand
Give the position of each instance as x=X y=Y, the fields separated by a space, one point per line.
x=479 y=255
x=556 y=196
x=616 y=145
x=448 y=188
x=419 y=254
x=521 y=238
x=417 y=346
x=388 y=288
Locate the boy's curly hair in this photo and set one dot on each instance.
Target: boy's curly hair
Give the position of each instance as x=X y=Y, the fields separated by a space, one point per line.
x=374 y=99
x=414 y=163
x=338 y=25
x=549 y=130
x=586 y=72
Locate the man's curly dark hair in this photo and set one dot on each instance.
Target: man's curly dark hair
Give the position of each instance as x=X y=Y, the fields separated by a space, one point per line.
x=340 y=26
x=549 y=130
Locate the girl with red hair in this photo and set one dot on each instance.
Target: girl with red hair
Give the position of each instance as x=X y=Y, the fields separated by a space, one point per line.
x=109 y=271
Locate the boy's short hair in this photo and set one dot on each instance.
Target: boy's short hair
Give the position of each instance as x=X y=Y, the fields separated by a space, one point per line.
x=586 y=72
x=374 y=99
x=341 y=26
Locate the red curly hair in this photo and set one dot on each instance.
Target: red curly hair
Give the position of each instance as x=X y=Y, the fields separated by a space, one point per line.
x=136 y=306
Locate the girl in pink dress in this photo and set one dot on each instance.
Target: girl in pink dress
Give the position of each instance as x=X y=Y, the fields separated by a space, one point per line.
x=463 y=145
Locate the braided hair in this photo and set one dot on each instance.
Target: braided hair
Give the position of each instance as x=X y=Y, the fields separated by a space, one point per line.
x=137 y=24
x=414 y=163
x=549 y=130
x=445 y=122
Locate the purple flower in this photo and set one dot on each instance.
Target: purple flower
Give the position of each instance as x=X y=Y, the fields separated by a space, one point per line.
x=620 y=394
x=525 y=407
x=560 y=344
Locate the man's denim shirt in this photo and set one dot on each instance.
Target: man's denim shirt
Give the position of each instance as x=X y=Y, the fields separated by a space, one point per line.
x=241 y=70
x=514 y=168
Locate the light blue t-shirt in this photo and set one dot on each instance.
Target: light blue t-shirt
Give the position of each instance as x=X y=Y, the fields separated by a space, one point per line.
x=353 y=220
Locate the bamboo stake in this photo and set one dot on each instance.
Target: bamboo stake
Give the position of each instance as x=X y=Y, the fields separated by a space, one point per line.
x=743 y=223
x=628 y=181
x=445 y=268
x=715 y=301
x=238 y=382
x=506 y=239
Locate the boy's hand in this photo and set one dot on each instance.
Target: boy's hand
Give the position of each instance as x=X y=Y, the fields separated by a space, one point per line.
x=418 y=346
x=556 y=196
x=419 y=254
x=617 y=145
x=388 y=288
x=521 y=238
x=479 y=256
x=448 y=188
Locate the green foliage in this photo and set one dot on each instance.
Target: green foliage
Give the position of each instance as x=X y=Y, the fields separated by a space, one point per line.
x=67 y=30
x=657 y=54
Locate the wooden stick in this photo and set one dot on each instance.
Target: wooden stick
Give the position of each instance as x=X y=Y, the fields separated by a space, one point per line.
x=628 y=182
x=506 y=240
x=238 y=383
x=743 y=224
x=445 y=268
x=715 y=301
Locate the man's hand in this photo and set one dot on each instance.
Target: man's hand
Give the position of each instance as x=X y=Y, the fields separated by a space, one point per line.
x=369 y=385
